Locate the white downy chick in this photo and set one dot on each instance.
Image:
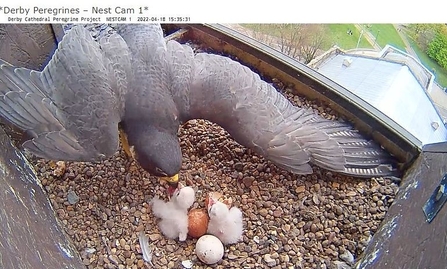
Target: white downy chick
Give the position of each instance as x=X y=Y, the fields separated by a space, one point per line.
x=174 y=214
x=226 y=224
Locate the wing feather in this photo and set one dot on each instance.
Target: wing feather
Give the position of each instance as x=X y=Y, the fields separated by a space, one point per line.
x=258 y=117
x=74 y=105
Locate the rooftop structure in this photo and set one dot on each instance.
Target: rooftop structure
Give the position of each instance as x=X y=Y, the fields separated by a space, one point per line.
x=393 y=82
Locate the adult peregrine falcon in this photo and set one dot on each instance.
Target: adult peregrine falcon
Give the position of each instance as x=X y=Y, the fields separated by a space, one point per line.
x=135 y=79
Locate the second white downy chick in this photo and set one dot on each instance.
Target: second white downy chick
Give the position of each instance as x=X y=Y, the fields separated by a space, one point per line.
x=174 y=214
x=226 y=224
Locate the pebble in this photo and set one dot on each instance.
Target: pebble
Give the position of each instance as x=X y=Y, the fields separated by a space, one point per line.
x=248 y=181
x=187 y=264
x=277 y=213
x=341 y=265
x=72 y=197
x=286 y=228
x=140 y=263
x=114 y=259
x=300 y=189
x=347 y=257
x=163 y=261
x=269 y=260
x=284 y=258
x=155 y=237
x=263 y=212
x=239 y=167
x=232 y=256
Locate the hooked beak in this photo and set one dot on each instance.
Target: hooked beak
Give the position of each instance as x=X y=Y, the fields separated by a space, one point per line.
x=173 y=184
x=172 y=181
x=211 y=202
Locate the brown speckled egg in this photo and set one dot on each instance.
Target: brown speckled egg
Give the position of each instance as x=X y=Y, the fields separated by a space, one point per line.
x=197 y=222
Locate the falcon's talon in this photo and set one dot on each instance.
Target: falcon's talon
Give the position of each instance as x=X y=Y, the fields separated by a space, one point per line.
x=125 y=144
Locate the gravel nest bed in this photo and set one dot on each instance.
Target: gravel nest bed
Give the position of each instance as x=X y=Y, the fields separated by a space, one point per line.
x=323 y=220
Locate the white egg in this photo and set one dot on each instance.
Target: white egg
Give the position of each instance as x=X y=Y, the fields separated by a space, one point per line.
x=209 y=249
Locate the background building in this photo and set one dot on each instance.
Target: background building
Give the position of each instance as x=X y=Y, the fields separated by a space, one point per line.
x=392 y=81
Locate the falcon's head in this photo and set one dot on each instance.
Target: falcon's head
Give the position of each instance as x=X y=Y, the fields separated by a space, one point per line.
x=157 y=152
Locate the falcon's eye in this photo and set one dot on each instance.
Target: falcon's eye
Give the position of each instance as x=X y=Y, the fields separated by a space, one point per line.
x=158 y=170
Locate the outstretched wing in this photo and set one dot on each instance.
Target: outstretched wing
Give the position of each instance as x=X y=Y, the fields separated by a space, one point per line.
x=72 y=108
x=258 y=117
